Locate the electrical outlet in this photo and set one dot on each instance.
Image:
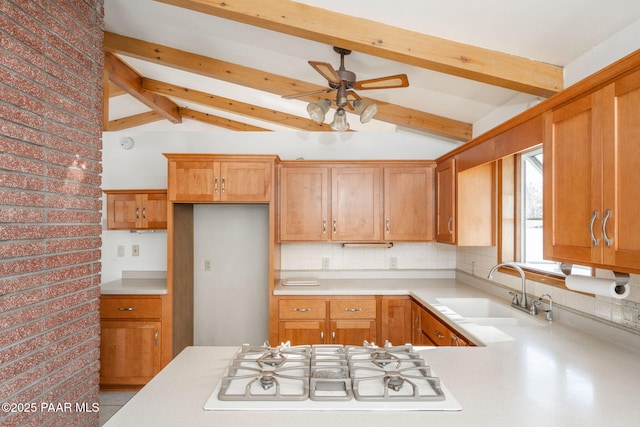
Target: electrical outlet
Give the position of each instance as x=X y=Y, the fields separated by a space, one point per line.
x=120 y=250
x=393 y=263
x=326 y=263
x=135 y=250
x=207 y=265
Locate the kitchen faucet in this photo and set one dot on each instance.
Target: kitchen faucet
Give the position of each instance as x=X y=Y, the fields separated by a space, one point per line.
x=522 y=302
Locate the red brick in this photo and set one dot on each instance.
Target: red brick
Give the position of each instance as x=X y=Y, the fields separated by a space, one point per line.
x=23 y=181
x=68 y=202
x=76 y=244
x=21 y=249
x=68 y=216
x=29 y=337
x=20 y=148
x=22 y=232
x=14 y=284
x=21 y=317
x=20 y=215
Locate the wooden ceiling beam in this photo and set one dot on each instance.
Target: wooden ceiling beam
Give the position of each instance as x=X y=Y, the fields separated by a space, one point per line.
x=279 y=85
x=386 y=41
x=130 y=81
x=133 y=121
x=231 y=105
x=219 y=121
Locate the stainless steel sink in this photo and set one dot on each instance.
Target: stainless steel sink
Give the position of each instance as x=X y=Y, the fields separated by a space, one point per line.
x=483 y=311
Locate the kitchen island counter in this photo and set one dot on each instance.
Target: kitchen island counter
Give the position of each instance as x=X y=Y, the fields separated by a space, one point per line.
x=547 y=374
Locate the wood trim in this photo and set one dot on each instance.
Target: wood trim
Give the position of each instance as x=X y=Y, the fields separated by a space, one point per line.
x=386 y=41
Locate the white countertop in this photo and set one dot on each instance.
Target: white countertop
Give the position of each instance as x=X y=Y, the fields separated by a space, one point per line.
x=137 y=283
x=548 y=374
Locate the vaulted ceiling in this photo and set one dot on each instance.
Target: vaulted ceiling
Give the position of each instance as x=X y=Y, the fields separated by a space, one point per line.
x=228 y=64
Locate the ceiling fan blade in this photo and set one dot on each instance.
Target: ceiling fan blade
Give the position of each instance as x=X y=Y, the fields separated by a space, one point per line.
x=302 y=95
x=327 y=71
x=389 y=82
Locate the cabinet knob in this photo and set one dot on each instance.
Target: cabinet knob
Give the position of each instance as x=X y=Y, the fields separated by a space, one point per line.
x=438 y=334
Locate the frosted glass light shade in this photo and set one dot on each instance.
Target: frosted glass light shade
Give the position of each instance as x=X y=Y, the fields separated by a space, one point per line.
x=340 y=123
x=317 y=110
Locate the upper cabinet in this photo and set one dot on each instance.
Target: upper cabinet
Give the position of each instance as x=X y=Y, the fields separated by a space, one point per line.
x=591 y=196
x=409 y=203
x=219 y=178
x=356 y=202
x=446 y=203
x=136 y=209
x=466 y=204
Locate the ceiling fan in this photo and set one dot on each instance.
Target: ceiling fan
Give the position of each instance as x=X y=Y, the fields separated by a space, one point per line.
x=344 y=82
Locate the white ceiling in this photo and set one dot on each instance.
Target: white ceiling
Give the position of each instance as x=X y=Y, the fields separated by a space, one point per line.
x=550 y=31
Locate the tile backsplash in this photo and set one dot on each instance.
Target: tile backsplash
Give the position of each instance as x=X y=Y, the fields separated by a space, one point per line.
x=406 y=256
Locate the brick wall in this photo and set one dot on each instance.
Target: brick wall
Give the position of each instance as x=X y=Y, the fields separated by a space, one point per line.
x=50 y=200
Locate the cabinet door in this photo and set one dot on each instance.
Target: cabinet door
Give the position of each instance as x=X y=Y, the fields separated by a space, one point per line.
x=122 y=211
x=245 y=181
x=194 y=181
x=621 y=165
x=355 y=204
x=152 y=211
x=408 y=204
x=446 y=199
x=353 y=332
x=573 y=181
x=129 y=352
x=396 y=324
x=303 y=332
x=304 y=204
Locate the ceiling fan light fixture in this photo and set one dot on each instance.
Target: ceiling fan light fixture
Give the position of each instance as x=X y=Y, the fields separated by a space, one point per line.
x=317 y=110
x=365 y=110
x=340 y=123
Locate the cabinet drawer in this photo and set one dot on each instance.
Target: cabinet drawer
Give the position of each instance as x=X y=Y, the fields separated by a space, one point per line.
x=434 y=329
x=130 y=308
x=302 y=309
x=353 y=309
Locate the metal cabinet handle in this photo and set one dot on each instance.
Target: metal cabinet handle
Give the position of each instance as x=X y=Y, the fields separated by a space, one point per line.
x=352 y=309
x=607 y=240
x=333 y=337
x=155 y=338
x=594 y=240
x=144 y=213
x=386 y=226
x=137 y=212
x=223 y=182
x=322 y=337
x=438 y=334
x=215 y=184
x=302 y=310
x=454 y=339
x=335 y=228
x=449 y=225
x=126 y=308
x=324 y=225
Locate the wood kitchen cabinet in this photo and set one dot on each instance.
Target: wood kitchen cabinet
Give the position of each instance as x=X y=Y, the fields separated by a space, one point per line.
x=396 y=323
x=136 y=209
x=408 y=203
x=429 y=330
x=591 y=195
x=466 y=204
x=304 y=203
x=344 y=321
x=368 y=202
x=208 y=178
x=130 y=340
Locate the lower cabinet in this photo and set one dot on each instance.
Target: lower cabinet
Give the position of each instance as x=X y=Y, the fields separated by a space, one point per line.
x=429 y=330
x=395 y=320
x=130 y=342
x=347 y=321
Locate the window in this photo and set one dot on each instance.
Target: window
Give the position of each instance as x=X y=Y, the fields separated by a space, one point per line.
x=530 y=224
